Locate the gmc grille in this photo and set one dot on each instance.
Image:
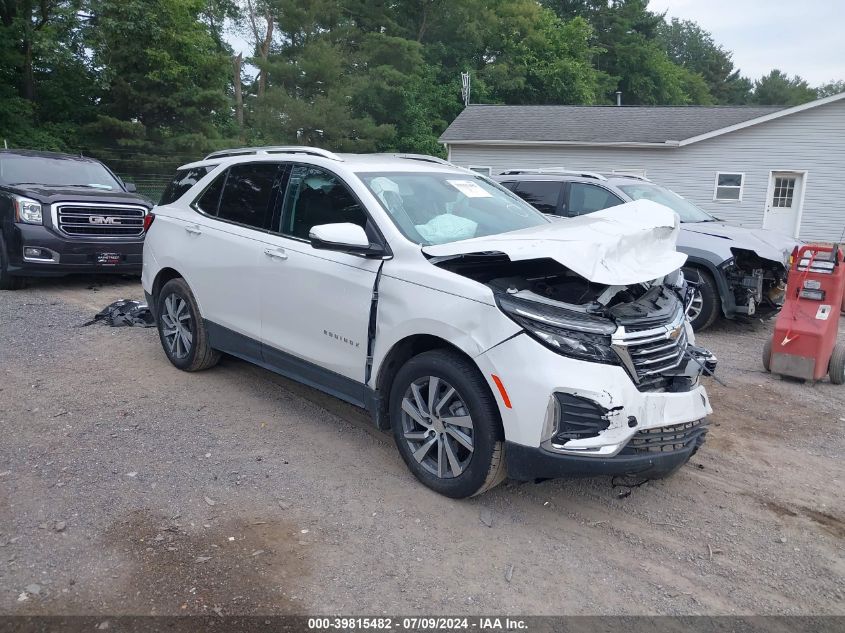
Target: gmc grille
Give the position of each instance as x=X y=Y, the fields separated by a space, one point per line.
x=101 y=220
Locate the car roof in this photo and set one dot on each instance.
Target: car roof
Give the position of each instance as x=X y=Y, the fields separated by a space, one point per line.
x=33 y=153
x=375 y=162
x=614 y=179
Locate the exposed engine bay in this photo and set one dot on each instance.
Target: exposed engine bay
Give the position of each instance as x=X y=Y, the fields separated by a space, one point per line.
x=641 y=326
x=757 y=283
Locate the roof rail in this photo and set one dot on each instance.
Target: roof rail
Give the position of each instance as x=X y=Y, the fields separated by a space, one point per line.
x=425 y=158
x=275 y=149
x=554 y=171
x=625 y=174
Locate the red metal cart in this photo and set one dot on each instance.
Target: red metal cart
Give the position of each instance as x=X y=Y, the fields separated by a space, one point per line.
x=804 y=343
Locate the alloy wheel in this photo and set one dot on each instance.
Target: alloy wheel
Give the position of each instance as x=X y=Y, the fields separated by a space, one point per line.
x=696 y=306
x=437 y=426
x=177 y=326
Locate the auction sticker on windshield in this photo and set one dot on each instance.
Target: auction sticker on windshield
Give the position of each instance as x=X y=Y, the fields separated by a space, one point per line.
x=470 y=189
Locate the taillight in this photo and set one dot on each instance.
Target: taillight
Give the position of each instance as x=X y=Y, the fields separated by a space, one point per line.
x=148 y=221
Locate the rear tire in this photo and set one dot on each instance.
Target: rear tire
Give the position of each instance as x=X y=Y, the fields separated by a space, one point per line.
x=706 y=304
x=458 y=448
x=767 y=355
x=181 y=329
x=836 y=367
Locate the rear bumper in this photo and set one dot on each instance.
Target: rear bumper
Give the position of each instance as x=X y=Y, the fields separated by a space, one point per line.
x=63 y=256
x=526 y=463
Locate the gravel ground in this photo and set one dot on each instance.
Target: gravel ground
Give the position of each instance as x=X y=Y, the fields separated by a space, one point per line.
x=128 y=487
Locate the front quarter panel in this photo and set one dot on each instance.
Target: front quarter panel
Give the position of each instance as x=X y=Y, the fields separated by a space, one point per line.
x=411 y=305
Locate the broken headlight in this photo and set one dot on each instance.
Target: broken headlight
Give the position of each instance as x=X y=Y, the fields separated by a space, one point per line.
x=572 y=334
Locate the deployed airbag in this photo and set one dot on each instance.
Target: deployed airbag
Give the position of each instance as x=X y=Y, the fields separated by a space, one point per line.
x=626 y=244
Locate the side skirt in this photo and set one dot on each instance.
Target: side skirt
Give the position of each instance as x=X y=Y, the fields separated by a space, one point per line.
x=289 y=366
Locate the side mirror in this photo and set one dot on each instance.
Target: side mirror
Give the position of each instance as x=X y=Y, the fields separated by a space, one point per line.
x=343 y=237
x=130 y=187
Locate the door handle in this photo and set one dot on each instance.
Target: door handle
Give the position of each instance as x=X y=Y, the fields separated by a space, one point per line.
x=276 y=253
x=194 y=230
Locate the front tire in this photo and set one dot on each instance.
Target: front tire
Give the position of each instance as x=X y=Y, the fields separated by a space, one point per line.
x=705 y=304
x=446 y=424
x=7 y=281
x=181 y=329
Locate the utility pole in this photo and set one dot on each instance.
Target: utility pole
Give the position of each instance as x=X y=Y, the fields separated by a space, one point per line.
x=465 y=88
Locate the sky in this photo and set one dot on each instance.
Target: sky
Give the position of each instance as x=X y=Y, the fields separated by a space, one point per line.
x=800 y=38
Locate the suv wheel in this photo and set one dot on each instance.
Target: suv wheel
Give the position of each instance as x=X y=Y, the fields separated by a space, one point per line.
x=446 y=424
x=181 y=328
x=7 y=281
x=705 y=303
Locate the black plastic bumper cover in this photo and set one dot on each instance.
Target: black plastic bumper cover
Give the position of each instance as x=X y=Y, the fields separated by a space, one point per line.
x=526 y=463
x=75 y=256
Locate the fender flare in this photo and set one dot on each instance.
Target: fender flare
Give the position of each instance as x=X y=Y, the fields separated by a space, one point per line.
x=725 y=294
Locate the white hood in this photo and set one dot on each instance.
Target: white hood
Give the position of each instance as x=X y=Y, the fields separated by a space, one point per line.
x=626 y=244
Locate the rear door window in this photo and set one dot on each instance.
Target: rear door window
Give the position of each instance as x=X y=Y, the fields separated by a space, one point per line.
x=210 y=198
x=182 y=182
x=584 y=198
x=542 y=195
x=248 y=194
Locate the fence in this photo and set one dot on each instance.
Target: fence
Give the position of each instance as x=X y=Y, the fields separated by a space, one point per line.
x=150 y=185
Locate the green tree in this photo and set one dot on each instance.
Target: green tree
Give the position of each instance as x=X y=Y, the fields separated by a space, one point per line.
x=830 y=88
x=46 y=89
x=627 y=34
x=777 y=88
x=163 y=76
x=693 y=48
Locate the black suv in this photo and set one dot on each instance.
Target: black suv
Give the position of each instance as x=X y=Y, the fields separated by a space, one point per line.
x=62 y=214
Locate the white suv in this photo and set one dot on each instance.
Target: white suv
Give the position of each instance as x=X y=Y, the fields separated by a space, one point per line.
x=491 y=339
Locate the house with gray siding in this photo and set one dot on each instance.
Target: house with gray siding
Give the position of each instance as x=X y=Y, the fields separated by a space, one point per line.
x=773 y=167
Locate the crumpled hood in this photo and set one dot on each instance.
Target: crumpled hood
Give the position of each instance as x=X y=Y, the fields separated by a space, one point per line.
x=626 y=244
x=721 y=237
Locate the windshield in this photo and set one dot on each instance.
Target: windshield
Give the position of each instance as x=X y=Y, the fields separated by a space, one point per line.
x=38 y=170
x=438 y=208
x=687 y=211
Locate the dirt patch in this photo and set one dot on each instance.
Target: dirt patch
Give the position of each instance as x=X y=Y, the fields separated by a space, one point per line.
x=222 y=568
x=830 y=523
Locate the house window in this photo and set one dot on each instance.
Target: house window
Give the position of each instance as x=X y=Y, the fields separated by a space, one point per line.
x=728 y=186
x=484 y=171
x=784 y=190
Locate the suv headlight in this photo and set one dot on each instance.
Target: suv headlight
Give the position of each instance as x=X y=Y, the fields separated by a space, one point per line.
x=28 y=211
x=569 y=333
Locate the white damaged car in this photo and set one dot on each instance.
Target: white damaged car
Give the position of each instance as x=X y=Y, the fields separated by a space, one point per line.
x=490 y=339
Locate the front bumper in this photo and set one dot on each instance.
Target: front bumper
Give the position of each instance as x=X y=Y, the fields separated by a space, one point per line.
x=526 y=463
x=532 y=375
x=63 y=256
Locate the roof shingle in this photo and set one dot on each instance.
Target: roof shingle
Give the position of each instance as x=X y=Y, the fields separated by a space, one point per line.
x=596 y=124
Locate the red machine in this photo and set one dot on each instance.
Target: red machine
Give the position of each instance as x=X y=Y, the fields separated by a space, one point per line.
x=804 y=343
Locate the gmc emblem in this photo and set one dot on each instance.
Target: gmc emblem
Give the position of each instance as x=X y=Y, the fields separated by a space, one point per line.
x=103 y=219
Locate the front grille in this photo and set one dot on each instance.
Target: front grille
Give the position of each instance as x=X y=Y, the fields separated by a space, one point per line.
x=578 y=418
x=652 y=352
x=100 y=220
x=667 y=439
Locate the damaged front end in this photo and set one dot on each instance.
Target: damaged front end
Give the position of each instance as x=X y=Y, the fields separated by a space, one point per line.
x=641 y=327
x=757 y=284
x=606 y=295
